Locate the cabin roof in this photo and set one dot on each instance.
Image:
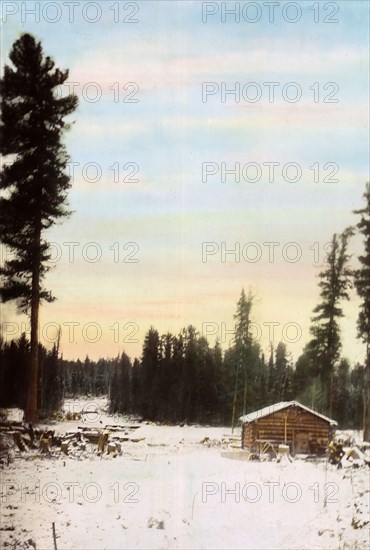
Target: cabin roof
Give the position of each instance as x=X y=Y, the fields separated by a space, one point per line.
x=278 y=407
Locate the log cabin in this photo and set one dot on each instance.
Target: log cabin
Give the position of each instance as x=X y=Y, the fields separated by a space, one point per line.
x=304 y=430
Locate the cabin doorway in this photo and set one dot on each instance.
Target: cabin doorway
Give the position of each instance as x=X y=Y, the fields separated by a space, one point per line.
x=300 y=443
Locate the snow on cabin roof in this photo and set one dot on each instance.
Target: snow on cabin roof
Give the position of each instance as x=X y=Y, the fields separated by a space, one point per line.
x=278 y=407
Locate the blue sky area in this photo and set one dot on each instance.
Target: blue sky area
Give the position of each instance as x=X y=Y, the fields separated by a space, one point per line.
x=181 y=140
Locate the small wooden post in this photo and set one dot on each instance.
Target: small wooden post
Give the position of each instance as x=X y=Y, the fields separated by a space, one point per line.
x=285 y=428
x=54 y=536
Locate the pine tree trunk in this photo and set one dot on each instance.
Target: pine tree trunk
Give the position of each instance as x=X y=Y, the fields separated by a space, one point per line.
x=31 y=412
x=331 y=394
x=366 y=432
x=245 y=394
x=234 y=402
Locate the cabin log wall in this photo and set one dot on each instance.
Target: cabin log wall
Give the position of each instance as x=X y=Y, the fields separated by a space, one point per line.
x=305 y=432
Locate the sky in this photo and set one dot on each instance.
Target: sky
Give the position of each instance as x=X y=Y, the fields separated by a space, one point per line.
x=216 y=146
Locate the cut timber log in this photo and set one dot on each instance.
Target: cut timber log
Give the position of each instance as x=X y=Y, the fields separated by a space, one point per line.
x=92 y=437
x=102 y=442
x=89 y=428
x=64 y=447
x=70 y=436
x=13 y=428
x=18 y=440
x=11 y=424
x=118 y=427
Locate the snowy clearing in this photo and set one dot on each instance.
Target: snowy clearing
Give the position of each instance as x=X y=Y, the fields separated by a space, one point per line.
x=171 y=491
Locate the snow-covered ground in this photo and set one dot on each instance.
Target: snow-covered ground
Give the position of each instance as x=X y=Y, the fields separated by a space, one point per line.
x=169 y=490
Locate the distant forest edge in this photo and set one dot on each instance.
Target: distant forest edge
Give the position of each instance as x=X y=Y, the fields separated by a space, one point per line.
x=182 y=379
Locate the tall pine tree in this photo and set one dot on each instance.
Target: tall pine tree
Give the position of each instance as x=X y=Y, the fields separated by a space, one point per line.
x=243 y=347
x=34 y=184
x=362 y=283
x=325 y=347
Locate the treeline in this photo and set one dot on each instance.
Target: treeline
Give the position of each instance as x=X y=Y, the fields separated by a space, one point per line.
x=178 y=379
x=181 y=378
x=87 y=377
x=14 y=374
x=57 y=378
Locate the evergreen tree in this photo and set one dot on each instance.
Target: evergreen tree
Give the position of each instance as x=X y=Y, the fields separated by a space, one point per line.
x=178 y=394
x=150 y=374
x=305 y=381
x=362 y=283
x=208 y=382
x=14 y=359
x=87 y=384
x=261 y=391
x=51 y=380
x=135 y=403
x=245 y=372
x=34 y=182
x=222 y=401
x=243 y=345
x=342 y=397
x=114 y=388
x=282 y=374
x=325 y=347
x=190 y=378
x=270 y=376
x=357 y=384
x=124 y=379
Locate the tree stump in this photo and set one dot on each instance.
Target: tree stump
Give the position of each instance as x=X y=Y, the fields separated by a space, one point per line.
x=112 y=449
x=18 y=440
x=284 y=453
x=45 y=445
x=102 y=441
